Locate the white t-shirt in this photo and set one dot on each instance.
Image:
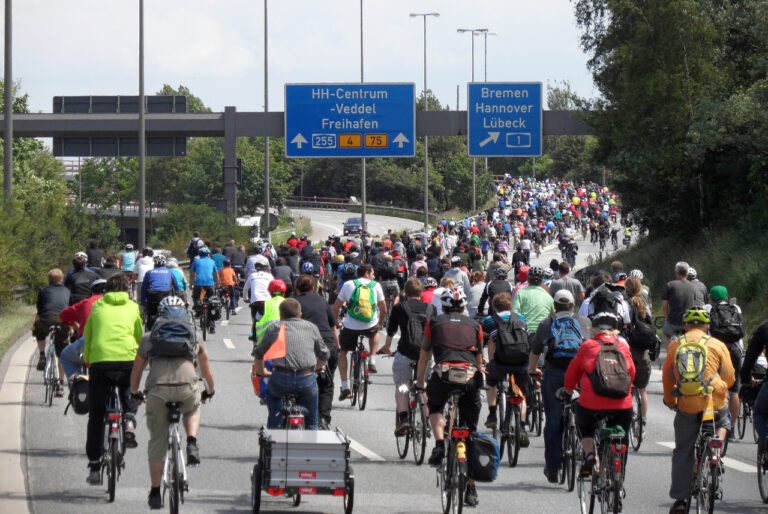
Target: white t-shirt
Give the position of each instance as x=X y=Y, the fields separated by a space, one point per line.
x=346 y=293
x=141 y=267
x=256 y=286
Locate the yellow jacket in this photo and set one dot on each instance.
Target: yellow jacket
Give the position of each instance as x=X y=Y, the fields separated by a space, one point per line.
x=718 y=361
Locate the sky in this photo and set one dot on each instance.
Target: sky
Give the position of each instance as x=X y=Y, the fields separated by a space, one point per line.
x=216 y=47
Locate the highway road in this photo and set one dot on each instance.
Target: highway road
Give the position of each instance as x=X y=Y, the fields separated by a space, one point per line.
x=53 y=462
x=326 y=223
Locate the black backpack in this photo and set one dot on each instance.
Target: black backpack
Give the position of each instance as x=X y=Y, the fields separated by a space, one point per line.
x=726 y=323
x=606 y=299
x=511 y=343
x=610 y=377
x=641 y=334
x=193 y=247
x=173 y=335
x=415 y=327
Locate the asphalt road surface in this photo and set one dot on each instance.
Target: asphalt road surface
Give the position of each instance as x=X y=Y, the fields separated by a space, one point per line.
x=326 y=223
x=54 y=460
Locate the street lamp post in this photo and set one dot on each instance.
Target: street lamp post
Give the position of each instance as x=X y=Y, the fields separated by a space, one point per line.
x=362 y=161
x=474 y=172
x=266 y=139
x=426 y=108
x=8 y=109
x=142 y=133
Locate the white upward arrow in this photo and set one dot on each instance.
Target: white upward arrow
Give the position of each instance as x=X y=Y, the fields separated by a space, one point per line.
x=299 y=140
x=492 y=136
x=400 y=139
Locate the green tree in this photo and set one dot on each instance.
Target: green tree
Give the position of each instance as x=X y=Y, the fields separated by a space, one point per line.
x=194 y=103
x=110 y=183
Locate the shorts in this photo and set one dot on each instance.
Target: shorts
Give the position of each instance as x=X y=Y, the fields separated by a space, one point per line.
x=348 y=337
x=736 y=355
x=669 y=330
x=390 y=288
x=497 y=373
x=587 y=419
x=43 y=325
x=438 y=391
x=157 y=414
x=402 y=370
x=642 y=362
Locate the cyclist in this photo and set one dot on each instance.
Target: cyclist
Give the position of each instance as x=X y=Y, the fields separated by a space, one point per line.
x=498 y=285
x=534 y=302
x=409 y=345
x=455 y=340
x=677 y=296
x=458 y=275
x=430 y=286
x=503 y=361
x=144 y=264
x=172 y=378
x=112 y=336
x=227 y=280
x=638 y=339
x=690 y=402
x=758 y=344
x=79 y=279
x=388 y=277
x=51 y=300
x=256 y=290
x=615 y=237
x=701 y=293
x=158 y=283
x=76 y=316
x=297 y=351
x=276 y=289
x=357 y=322
x=173 y=265
x=582 y=372
x=203 y=275
x=128 y=261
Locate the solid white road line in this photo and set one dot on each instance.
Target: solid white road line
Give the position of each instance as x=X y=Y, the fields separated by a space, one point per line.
x=228 y=344
x=365 y=452
x=728 y=461
x=13 y=493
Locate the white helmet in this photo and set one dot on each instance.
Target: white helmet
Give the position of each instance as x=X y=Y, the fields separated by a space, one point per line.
x=453 y=299
x=170 y=302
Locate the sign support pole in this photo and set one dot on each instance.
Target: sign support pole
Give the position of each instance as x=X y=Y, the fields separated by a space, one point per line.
x=266 y=109
x=142 y=133
x=8 y=109
x=362 y=163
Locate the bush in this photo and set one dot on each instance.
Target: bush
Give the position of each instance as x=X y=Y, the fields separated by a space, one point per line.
x=175 y=228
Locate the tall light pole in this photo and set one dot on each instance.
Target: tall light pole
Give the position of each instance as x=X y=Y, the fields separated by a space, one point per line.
x=485 y=66
x=474 y=173
x=362 y=161
x=142 y=132
x=426 y=108
x=8 y=109
x=266 y=138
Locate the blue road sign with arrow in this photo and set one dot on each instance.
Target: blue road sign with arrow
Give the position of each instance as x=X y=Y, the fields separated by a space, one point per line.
x=504 y=119
x=350 y=120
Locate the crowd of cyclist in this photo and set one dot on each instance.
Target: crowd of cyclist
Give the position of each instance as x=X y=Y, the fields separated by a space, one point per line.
x=471 y=309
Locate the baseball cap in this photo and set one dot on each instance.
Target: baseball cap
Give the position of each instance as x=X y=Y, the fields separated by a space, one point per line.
x=564 y=297
x=718 y=293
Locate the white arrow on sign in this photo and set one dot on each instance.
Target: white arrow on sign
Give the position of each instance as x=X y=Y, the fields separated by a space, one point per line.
x=299 y=140
x=492 y=136
x=400 y=139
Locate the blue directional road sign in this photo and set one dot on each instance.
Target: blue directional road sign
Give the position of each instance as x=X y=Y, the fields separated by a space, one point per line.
x=350 y=120
x=504 y=119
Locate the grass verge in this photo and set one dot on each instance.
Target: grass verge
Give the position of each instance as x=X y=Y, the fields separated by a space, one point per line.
x=15 y=320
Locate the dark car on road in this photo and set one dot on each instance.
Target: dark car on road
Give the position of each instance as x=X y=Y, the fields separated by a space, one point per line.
x=353 y=226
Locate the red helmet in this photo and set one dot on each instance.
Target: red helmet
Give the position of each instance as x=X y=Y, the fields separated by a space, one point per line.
x=276 y=286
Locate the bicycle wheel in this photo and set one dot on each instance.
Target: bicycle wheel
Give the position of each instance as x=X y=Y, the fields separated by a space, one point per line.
x=296 y=500
x=362 y=372
x=402 y=440
x=741 y=422
x=754 y=430
x=419 y=432
x=349 y=494
x=204 y=323
x=583 y=490
x=112 y=460
x=498 y=432
x=513 y=436
x=444 y=482
x=461 y=486
x=540 y=417
x=50 y=390
x=227 y=306
x=636 y=425
x=762 y=470
x=574 y=451
x=565 y=456
x=354 y=379
x=604 y=485
x=175 y=485
x=704 y=480
x=256 y=488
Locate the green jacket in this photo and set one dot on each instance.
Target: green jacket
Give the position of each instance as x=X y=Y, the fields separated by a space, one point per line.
x=113 y=330
x=271 y=313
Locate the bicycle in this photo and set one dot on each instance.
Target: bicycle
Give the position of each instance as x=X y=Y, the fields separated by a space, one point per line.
x=175 y=480
x=206 y=323
x=418 y=431
x=511 y=427
x=51 y=375
x=535 y=412
x=607 y=479
x=746 y=408
x=226 y=293
x=571 y=444
x=358 y=375
x=762 y=469
x=636 y=428
x=452 y=473
x=113 y=448
x=708 y=471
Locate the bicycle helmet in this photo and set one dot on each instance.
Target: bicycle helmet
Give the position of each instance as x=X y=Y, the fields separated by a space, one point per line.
x=170 y=302
x=159 y=260
x=499 y=274
x=277 y=286
x=548 y=274
x=147 y=251
x=204 y=251
x=354 y=255
x=99 y=286
x=535 y=275
x=605 y=321
x=453 y=299
x=307 y=268
x=636 y=273
x=129 y=247
x=260 y=262
x=430 y=283
x=696 y=314
x=456 y=261
x=692 y=273
x=619 y=276
x=81 y=254
x=339 y=258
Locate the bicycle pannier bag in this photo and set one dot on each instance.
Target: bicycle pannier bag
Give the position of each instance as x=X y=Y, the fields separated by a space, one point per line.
x=484 y=458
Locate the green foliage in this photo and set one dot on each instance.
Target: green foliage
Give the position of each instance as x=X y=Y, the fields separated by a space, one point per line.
x=175 y=227
x=194 y=103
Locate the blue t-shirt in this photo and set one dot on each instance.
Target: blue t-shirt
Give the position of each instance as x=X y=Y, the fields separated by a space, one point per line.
x=203 y=269
x=129 y=261
x=218 y=258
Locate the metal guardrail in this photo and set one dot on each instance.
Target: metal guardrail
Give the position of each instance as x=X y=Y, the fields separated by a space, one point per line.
x=354 y=207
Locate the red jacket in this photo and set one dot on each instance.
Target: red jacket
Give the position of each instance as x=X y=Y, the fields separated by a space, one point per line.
x=584 y=363
x=79 y=313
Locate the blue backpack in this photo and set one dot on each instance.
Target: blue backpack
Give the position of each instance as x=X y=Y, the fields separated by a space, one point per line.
x=566 y=341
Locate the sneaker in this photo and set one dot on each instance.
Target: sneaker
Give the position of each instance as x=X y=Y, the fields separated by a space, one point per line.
x=438 y=452
x=551 y=475
x=212 y=330
x=524 y=441
x=60 y=389
x=372 y=368
x=345 y=394
x=324 y=424
x=402 y=426
x=470 y=496
x=41 y=362
x=154 y=500
x=94 y=477
x=678 y=507
x=130 y=435
x=193 y=454
x=491 y=422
